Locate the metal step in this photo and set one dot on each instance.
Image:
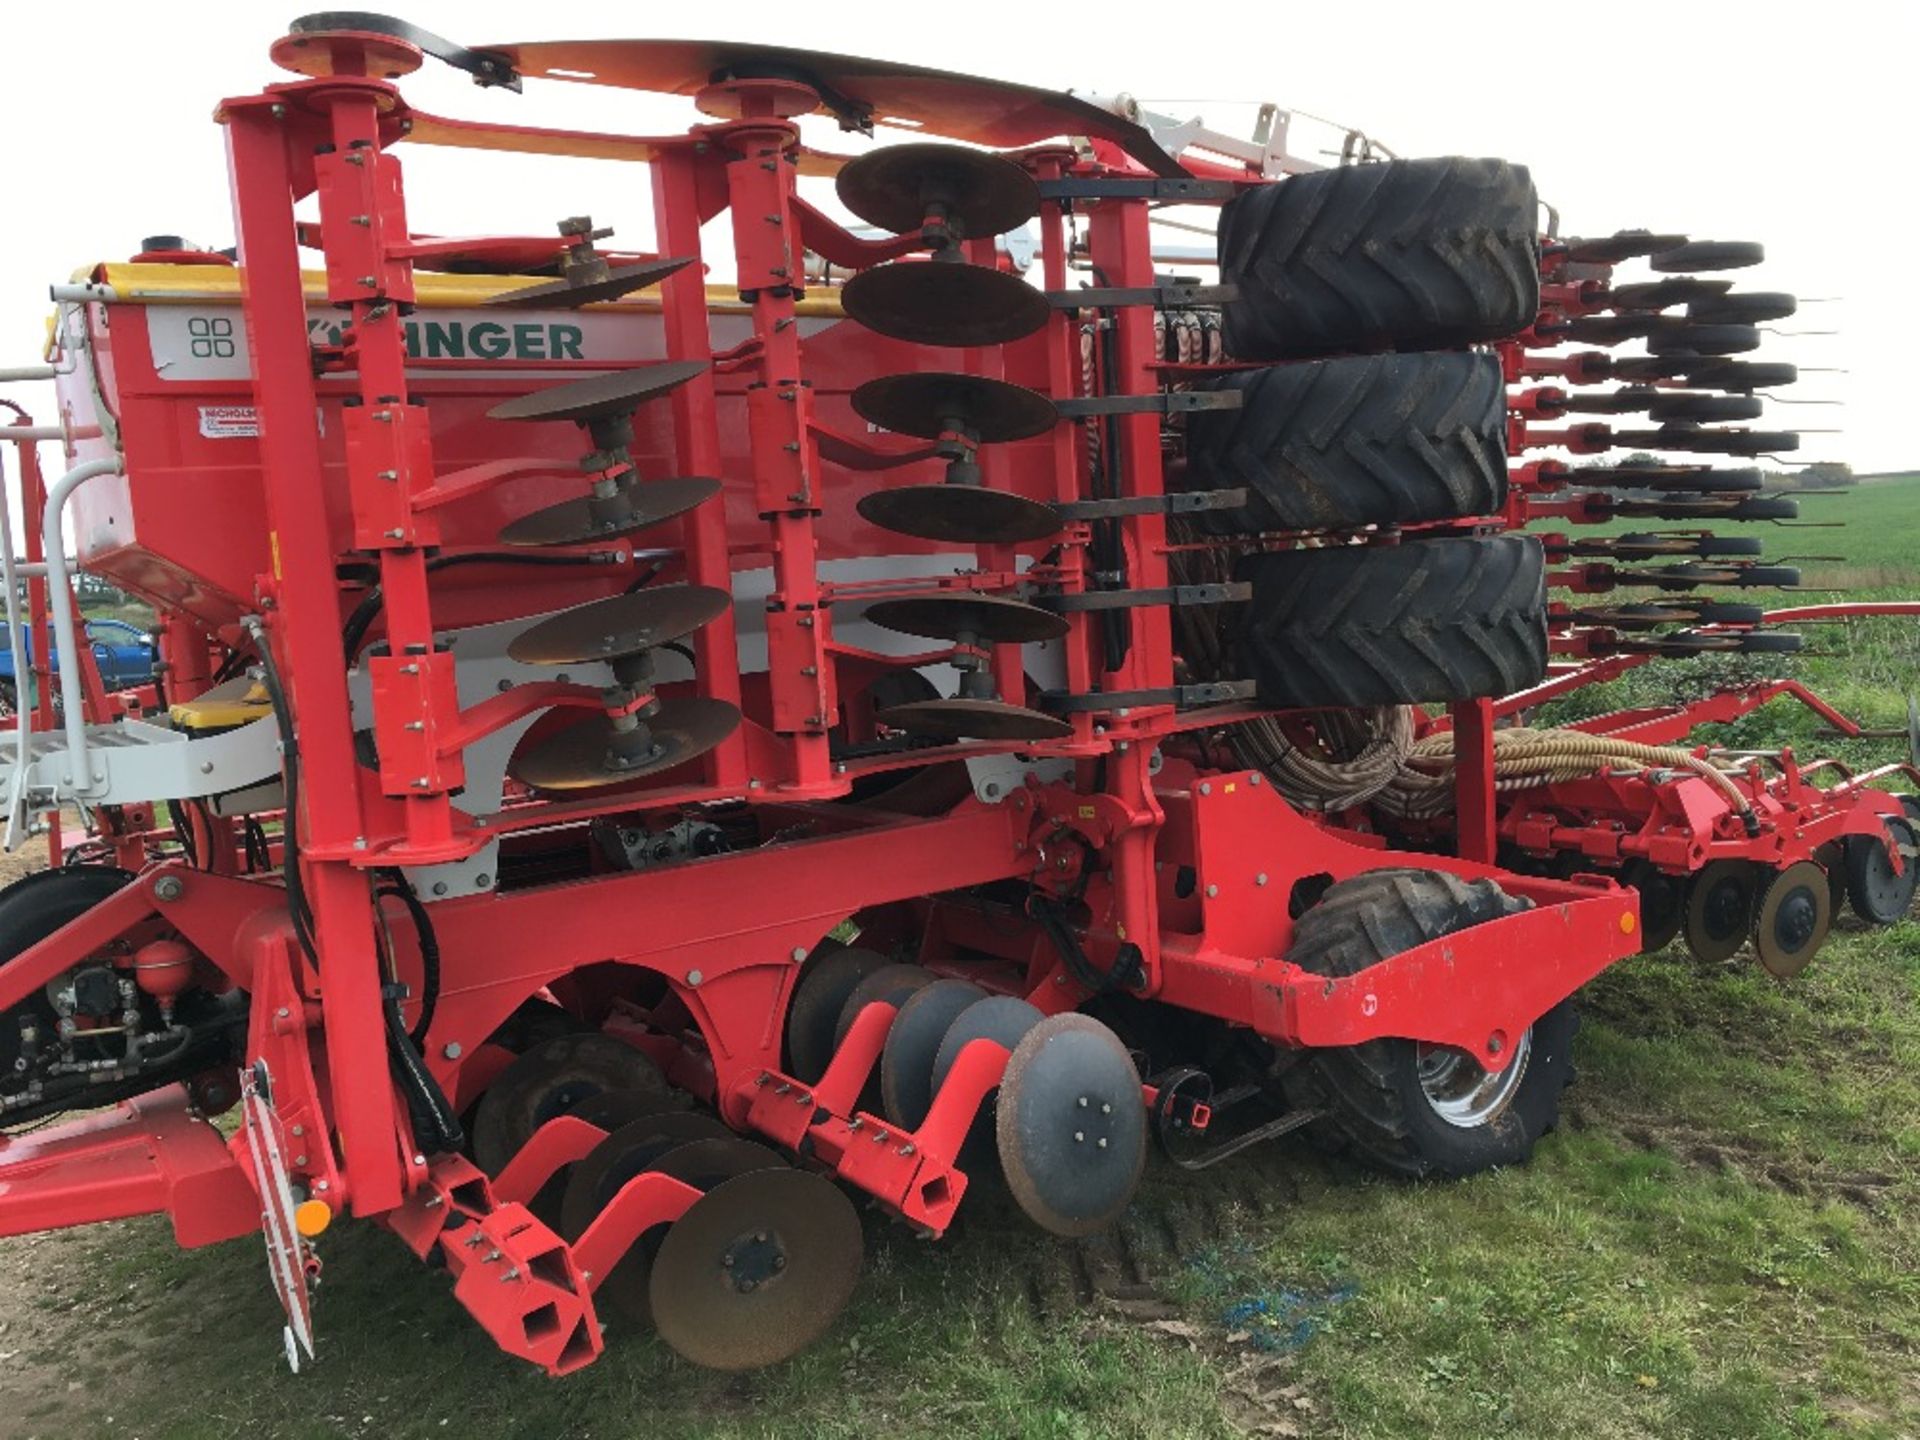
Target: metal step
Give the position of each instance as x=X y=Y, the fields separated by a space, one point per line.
x=127 y=762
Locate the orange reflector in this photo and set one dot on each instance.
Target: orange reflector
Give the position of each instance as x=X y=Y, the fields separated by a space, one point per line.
x=311 y=1217
x=1628 y=924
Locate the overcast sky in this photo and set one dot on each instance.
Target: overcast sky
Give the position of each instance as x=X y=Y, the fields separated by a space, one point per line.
x=1786 y=123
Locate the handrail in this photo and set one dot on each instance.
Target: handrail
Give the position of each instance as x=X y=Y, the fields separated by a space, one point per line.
x=66 y=630
x=17 y=644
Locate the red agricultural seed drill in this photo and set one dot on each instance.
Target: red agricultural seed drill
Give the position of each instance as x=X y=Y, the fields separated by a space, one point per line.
x=637 y=762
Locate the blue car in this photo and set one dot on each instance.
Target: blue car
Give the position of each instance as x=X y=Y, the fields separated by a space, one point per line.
x=124 y=652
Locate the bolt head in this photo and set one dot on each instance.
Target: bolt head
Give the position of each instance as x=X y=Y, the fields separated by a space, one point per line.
x=694 y=977
x=799 y=954
x=451 y=1050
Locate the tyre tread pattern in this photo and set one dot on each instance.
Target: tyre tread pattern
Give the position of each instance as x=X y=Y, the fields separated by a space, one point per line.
x=1406 y=255
x=1363 y=1088
x=1427 y=621
x=1362 y=440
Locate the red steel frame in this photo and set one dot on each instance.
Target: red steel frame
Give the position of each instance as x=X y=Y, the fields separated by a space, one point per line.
x=725 y=933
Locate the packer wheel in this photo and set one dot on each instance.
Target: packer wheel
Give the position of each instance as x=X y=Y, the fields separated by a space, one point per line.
x=1409 y=1108
x=548 y=1081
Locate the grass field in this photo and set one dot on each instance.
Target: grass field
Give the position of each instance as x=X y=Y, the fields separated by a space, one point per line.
x=1721 y=1240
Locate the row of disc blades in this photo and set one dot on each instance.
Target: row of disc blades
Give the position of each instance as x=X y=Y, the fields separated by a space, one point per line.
x=754 y=1271
x=1066 y=1124
x=1700 y=397
x=950 y=194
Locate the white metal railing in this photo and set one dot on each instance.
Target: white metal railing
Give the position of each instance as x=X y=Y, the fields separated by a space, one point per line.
x=66 y=637
x=17 y=644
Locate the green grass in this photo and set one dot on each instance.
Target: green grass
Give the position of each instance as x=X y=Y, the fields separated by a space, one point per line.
x=1866 y=667
x=1721 y=1240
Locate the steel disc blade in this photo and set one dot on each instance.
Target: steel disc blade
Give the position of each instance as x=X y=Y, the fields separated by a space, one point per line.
x=932 y=403
x=983 y=194
x=906 y=1065
x=1795 y=914
x=1698 y=407
x=703 y=1162
x=963 y=514
x=1720 y=910
x=1704 y=340
x=817 y=1002
x=619 y=280
x=1004 y=1019
x=619 y=625
x=974 y=720
x=938 y=303
x=628 y=1149
x=1071 y=1127
x=611 y=1109
x=1626 y=401
x=1705 y=479
x=891 y=985
x=1663 y=904
x=1607 y=329
x=1621 y=245
x=1651 y=367
x=638 y=506
x=549 y=1080
x=616 y=393
x=990 y=619
x=608 y=1111
x=1698 y=255
x=1659 y=294
x=756 y=1270
x=1744 y=307
x=584 y=755
x=1741 y=375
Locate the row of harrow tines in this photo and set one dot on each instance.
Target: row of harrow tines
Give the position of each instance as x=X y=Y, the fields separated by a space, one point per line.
x=1652 y=386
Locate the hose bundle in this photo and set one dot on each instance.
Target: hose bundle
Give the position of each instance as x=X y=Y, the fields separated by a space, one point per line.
x=1345 y=758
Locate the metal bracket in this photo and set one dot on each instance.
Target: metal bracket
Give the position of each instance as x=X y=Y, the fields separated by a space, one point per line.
x=1217 y=594
x=1177 y=502
x=487 y=67
x=1180 y=696
x=1161 y=297
x=1170 y=402
x=1074 y=187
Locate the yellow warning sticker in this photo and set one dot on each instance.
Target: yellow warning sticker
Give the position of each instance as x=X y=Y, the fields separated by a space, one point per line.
x=1086 y=812
x=273 y=545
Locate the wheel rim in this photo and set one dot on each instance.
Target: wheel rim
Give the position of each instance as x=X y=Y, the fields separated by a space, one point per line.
x=1463 y=1093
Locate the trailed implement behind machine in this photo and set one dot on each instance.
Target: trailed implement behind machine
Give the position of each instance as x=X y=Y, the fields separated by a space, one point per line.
x=640 y=760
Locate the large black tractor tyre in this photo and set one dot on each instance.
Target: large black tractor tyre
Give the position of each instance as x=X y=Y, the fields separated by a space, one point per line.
x=1364 y=440
x=1427 y=621
x=1408 y=255
x=1418 y=1110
